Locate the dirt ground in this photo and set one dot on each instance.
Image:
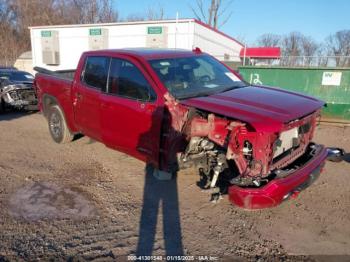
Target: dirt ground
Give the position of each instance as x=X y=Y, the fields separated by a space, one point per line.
x=82 y=201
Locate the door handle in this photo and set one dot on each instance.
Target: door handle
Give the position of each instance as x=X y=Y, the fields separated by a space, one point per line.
x=77 y=99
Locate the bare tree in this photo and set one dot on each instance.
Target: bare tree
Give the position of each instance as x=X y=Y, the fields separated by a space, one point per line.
x=338 y=45
x=10 y=44
x=298 y=49
x=135 y=17
x=94 y=11
x=269 y=40
x=217 y=10
x=107 y=13
x=33 y=13
x=321 y=54
x=155 y=13
x=10 y=47
x=291 y=44
x=152 y=13
x=309 y=50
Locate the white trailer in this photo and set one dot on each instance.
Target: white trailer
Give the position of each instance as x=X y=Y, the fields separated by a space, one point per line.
x=59 y=47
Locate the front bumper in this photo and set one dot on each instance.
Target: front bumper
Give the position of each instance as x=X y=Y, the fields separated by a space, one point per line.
x=279 y=189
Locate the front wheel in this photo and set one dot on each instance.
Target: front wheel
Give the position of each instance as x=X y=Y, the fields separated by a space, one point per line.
x=58 y=126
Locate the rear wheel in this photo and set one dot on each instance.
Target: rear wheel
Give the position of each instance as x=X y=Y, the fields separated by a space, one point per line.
x=58 y=126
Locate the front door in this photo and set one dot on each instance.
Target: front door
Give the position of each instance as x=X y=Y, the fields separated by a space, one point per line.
x=130 y=117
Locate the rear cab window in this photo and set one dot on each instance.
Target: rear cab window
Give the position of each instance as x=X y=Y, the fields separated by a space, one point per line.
x=95 y=72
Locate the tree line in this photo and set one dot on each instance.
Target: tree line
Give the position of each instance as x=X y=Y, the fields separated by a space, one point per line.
x=299 y=49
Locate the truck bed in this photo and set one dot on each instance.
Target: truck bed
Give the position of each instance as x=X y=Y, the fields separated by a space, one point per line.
x=64 y=74
x=55 y=86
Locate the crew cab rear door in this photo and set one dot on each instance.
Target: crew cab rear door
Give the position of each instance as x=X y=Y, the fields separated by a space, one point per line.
x=131 y=120
x=88 y=95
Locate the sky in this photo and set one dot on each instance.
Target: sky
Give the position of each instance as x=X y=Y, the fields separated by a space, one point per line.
x=252 y=18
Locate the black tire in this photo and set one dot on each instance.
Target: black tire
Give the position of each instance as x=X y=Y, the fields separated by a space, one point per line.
x=2 y=106
x=58 y=126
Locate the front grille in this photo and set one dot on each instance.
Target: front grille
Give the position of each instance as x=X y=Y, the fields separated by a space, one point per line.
x=293 y=142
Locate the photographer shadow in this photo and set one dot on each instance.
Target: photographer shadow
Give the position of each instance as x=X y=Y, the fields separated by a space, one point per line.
x=160 y=198
x=159 y=195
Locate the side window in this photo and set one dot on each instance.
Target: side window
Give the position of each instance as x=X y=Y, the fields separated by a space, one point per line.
x=96 y=71
x=126 y=80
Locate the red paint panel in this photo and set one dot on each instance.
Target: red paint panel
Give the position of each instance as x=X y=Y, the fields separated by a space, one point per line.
x=131 y=126
x=87 y=111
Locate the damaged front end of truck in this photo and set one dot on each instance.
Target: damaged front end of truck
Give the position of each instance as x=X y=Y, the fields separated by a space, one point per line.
x=252 y=142
x=259 y=166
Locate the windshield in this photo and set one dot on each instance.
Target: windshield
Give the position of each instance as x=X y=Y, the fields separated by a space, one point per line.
x=195 y=76
x=17 y=76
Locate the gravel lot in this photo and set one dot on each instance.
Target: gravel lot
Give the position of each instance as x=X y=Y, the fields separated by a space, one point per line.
x=84 y=201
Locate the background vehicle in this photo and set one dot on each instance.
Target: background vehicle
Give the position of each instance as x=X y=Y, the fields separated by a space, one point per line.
x=8 y=67
x=16 y=90
x=179 y=109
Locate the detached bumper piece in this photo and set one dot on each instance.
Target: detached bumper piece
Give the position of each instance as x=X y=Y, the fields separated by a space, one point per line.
x=280 y=189
x=335 y=154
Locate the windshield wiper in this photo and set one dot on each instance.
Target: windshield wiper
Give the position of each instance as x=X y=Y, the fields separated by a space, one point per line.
x=206 y=93
x=231 y=88
x=203 y=94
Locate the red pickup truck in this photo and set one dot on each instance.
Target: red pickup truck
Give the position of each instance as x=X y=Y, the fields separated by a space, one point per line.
x=177 y=109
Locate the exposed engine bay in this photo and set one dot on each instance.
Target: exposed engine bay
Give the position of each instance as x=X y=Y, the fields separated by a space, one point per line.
x=230 y=152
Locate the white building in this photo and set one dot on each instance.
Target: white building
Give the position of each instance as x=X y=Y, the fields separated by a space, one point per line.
x=59 y=47
x=25 y=62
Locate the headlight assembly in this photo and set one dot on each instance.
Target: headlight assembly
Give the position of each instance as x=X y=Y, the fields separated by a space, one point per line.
x=14 y=95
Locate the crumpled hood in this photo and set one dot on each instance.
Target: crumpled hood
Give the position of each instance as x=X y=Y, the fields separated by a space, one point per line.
x=264 y=108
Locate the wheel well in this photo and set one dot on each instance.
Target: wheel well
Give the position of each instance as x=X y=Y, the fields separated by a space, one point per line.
x=48 y=101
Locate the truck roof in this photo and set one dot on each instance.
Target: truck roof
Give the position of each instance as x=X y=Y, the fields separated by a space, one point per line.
x=147 y=53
